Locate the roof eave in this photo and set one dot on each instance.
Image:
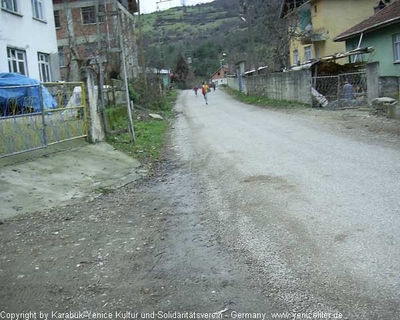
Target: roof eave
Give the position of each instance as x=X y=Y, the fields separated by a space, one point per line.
x=368 y=29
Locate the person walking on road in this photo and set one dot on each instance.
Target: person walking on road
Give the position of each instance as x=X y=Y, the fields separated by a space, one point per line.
x=195 y=90
x=204 y=91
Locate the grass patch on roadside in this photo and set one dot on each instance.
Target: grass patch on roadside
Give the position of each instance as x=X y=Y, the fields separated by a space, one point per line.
x=149 y=132
x=263 y=101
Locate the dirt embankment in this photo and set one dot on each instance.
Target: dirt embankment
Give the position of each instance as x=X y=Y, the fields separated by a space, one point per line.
x=142 y=248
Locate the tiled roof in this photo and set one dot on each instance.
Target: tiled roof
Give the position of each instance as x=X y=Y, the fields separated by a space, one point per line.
x=384 y=17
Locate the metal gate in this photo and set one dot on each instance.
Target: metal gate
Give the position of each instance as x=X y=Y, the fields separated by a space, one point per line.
x=348 y=90
x=36 y=116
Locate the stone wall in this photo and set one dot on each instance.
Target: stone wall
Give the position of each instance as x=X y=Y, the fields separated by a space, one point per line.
x=389 y=87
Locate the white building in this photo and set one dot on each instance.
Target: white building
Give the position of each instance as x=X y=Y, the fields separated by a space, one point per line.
x=28 y=42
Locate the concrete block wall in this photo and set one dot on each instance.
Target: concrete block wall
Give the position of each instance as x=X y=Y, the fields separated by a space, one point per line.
x=233 y=83
x=289 y=86
x=296 y=85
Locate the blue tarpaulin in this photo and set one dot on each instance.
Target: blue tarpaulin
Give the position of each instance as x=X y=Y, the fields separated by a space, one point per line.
x=20 y=94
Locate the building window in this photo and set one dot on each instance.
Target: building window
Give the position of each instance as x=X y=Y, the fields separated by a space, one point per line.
x=61 y=57
x=396 y=45
x=17 y=61
x=307 y=53
x=89 y=15
x=44 y=67
x=296 y=59
x=57 y=19
x=11 y=5
x=37 y=9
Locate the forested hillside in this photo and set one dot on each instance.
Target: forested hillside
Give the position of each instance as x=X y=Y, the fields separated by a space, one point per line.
x=204 y=31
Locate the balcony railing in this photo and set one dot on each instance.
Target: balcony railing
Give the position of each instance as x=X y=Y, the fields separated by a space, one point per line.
x=313 y=36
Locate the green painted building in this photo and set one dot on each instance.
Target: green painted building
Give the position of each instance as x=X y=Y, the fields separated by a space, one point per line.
x=382 y=32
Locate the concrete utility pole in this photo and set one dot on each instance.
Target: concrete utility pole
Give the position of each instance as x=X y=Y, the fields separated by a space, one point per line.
x=246 y=9
x=141 y=50
x=128 y=103
x=100 y=69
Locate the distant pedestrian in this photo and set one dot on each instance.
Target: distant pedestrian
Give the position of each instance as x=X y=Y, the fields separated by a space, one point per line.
x=204 y=90
x=348 y=91
x=213 y=85
x=195 y=90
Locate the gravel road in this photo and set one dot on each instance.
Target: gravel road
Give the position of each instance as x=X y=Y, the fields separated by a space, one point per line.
x=314 y=205
x=252 y=211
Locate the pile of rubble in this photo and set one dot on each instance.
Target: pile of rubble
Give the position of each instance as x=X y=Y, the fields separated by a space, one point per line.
x=385 y=107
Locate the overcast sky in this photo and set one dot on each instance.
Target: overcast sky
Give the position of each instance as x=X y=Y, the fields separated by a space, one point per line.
x=147 y=6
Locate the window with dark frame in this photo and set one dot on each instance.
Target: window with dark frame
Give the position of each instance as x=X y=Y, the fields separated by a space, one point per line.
x=37 y=9
x=17 y=61
x=296 y=59
x=44 y=67
x=61 y=57
x=396 y=47
x=89 y=15
x=11 y=5
x=57 y=19
x=308 y=53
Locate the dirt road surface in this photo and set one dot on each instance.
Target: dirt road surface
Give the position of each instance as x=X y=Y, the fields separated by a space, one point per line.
x=252 y=212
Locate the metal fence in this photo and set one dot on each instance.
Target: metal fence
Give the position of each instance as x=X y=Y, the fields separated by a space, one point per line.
x=36 y=116
x=340 y=91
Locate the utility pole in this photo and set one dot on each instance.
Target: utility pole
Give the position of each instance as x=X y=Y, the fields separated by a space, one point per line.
x=246 y=9
x=142 y=59
x=128 y=103
x=100 y=69
x=222 y=60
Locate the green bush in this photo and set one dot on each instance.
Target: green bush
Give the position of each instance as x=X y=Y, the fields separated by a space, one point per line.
x=150 y=133
x=132 y=93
